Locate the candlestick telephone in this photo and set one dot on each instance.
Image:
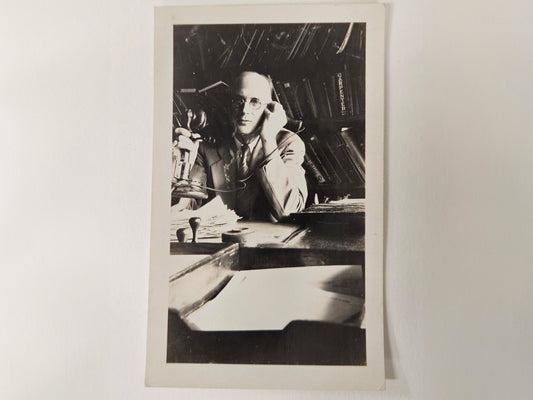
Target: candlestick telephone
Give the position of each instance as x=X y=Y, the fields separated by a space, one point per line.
x=183 y=186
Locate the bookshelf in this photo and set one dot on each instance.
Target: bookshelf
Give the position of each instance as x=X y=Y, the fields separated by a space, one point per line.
x=318 y=74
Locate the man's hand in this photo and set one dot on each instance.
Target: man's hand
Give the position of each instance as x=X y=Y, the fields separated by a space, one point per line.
x=274 y=119
x=184 y=149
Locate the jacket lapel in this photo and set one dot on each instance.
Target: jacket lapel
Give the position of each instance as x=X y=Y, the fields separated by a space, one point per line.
x=257 y=155
x=223 y=171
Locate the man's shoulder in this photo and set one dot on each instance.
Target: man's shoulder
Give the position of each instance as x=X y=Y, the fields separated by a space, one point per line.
x=212 y=152
x=287 y=137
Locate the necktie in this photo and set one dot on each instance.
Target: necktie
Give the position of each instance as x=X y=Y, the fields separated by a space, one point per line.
x=244 y=168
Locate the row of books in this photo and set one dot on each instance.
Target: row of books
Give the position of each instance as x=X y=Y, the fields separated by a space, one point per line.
x=336 y=157
x=202 y=47
x=340 y=95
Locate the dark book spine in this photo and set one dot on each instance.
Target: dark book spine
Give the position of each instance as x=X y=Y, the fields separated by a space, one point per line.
x=280 y=91
x=346 y=160
x=325 y=38
x=361 y=40
x=310 y=166
x=316 y=156
x=310 y=98
x=297 y=44
x=320 y=103
x=310 y=38
x=337 y=160
x=324 y=159
x=333 y=96
x=290 y=91
x=348 y=90
x=259 y=49
x=230 y=53
x=201 y=50
x=353 y=149
x=340 y=95
x=357 y=95
x=328 y=160
x=248 y=46
x=327 y=100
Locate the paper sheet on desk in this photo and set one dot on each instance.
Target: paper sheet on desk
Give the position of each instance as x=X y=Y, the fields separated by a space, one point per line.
x=269 y=299
x=216 y=218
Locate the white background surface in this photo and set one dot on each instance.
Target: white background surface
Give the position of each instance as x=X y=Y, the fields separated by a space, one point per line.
x=75 y=162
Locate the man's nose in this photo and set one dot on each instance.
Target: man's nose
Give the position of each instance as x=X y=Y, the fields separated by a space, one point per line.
x=246 y=107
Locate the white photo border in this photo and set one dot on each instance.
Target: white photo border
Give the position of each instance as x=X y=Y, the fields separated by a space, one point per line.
x=158 y=371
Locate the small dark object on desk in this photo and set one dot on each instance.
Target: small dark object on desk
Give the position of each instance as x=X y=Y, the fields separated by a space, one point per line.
x=181 y=234
x=237 y=235
x=194 y=222
x=343 y=218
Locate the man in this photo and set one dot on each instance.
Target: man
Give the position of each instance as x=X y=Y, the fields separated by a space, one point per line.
x=259 y=172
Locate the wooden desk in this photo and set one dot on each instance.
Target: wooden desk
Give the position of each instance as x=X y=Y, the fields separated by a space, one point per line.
x=275 y=246
x=269 y=234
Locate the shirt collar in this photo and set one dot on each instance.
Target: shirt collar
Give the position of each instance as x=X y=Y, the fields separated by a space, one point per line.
x=251 y=145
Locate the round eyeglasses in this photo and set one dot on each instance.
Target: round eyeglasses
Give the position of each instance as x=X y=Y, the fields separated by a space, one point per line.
x=238 y=101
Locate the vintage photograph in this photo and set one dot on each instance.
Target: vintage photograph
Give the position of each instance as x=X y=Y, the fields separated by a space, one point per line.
x=268 y=126
x=266 y=228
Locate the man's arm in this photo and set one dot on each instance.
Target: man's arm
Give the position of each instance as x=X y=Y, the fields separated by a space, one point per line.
x=282 y=176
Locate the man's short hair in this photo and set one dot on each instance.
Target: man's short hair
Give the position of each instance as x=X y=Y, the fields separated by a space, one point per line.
x=266 y=77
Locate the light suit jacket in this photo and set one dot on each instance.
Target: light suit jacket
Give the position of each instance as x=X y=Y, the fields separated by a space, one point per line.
x=276 y=186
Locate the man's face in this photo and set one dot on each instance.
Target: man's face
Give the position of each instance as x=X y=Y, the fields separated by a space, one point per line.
x=251 y=95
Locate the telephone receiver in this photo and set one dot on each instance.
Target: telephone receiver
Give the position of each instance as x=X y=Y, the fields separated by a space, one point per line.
x=195 y=121
x=294 y=125
x=270 y=108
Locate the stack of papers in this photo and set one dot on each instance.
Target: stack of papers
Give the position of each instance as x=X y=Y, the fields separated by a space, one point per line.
x=269 y=299
x=216 y=218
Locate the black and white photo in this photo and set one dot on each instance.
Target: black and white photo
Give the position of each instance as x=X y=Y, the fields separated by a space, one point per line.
x=267 y=174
